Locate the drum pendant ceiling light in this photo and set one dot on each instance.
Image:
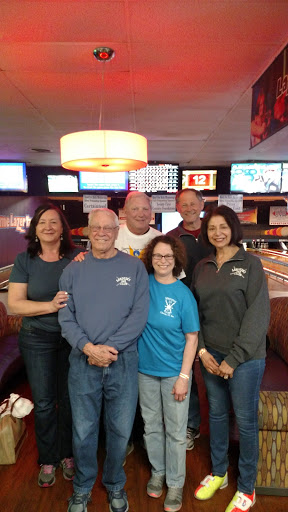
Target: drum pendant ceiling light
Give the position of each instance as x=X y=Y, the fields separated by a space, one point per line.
x=103 y=150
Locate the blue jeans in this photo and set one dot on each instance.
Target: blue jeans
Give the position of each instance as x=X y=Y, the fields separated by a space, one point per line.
x=46 y=357
x=194 y=417
x=243 y=389
x=165 y=424
x=115 y=387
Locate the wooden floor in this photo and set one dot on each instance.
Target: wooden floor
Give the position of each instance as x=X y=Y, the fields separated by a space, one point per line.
x=19 y=491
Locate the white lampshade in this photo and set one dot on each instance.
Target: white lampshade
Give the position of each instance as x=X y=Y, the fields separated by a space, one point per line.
x=103 y=151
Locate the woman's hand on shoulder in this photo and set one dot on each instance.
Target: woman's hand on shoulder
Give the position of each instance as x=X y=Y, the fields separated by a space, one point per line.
x=180 y=389
x=210 y=363
x=80 y=257
x=59 y=301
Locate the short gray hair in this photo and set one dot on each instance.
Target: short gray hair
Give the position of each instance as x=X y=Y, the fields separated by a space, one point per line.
x=136 y=193
x=103 y=210
x=198 y=193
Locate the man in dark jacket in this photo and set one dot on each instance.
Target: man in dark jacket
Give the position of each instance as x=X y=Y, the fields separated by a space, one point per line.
x=190 y=203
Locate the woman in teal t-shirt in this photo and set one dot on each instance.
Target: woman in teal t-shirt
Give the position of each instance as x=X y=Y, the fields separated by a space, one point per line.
x=167 y=349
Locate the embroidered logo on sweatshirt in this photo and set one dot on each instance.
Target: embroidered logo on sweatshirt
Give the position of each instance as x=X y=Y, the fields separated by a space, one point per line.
x=240 y=272
x=169 y=303
x=123 y=281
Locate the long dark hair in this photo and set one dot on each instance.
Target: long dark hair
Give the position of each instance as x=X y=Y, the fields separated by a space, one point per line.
x=232 y=220
x=177 y=248
x=34 y=247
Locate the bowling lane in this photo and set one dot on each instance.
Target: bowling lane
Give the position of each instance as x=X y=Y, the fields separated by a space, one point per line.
x=275 y=264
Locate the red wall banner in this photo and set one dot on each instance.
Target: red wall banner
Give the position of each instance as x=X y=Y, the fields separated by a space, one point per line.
x=15 y=217
x=270 y=100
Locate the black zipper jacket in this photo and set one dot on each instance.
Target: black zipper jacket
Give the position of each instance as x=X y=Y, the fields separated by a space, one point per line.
x=234 y=307
x=195 y=250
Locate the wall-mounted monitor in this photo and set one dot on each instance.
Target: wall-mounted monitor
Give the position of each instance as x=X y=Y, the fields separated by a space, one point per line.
x=170 y=220
x=155 y=178
x=113 y=181
x=284 y=183
x=199 y=179
x=62 y=183
x=256 y=178
x=13 y=177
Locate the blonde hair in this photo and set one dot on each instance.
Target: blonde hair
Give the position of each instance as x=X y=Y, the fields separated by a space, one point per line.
x=135 y=194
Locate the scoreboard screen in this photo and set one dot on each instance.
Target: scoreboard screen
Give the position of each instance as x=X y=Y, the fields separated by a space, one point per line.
x=199 y=179
x=154 y=178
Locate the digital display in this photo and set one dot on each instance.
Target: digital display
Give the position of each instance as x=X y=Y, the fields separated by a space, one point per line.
x=256 y=178
x=199 y=179
x=103 y=181
x=13 y=177
x=284 y=184
x=62 y=183
x=170 y=220
x=155 y=178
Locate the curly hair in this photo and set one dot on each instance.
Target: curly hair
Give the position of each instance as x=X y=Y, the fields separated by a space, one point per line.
x=34 y=247
x=177 y=248
x=232 y=220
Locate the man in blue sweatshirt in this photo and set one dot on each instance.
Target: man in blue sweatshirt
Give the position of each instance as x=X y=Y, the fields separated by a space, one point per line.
x=106 y=311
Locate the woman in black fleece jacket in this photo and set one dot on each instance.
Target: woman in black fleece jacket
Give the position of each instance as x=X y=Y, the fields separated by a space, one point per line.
x=231 y=290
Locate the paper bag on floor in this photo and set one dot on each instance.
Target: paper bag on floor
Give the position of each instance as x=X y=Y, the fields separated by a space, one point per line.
x=12 y=427
x=12 y=435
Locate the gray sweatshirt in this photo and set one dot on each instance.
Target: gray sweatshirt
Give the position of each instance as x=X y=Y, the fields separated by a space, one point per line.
x=234 y=307
x=108 y=302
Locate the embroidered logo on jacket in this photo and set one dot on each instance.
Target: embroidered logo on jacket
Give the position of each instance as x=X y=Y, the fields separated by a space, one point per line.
x=123 y=281
x=238 y=272
x=169 y=303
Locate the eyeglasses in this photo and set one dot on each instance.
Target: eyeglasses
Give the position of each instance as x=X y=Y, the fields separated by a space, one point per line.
x=106 y=229
x=167 y=257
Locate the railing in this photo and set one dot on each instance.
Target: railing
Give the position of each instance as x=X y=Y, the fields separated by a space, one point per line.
x=4 y=276
x=276 y=275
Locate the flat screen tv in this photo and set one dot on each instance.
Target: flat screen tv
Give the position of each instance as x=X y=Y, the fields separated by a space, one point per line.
x=284 y=183
x=155 y=178
x=62 y=183
x=199 y=179
x=13 y=177
x=170 y=220
x=256 y=178
x=115 y=181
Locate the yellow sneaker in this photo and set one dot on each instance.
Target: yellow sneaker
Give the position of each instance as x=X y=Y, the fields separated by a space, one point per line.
x=210 y=485
x=241 y=502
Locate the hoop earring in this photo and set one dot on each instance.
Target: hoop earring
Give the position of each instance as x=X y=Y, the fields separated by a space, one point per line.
x=36 y=238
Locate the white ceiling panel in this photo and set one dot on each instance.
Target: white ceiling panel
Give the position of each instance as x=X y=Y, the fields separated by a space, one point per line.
x=181 y=76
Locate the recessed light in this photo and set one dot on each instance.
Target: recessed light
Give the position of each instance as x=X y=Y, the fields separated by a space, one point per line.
x=40 y=150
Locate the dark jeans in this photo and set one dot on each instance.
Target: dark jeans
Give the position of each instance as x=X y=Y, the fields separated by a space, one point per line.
x=46 y=359
x=194 y=417
x=243 y=389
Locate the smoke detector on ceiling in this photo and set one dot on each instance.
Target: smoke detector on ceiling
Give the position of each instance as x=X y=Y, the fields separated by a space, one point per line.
x=103 y=54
